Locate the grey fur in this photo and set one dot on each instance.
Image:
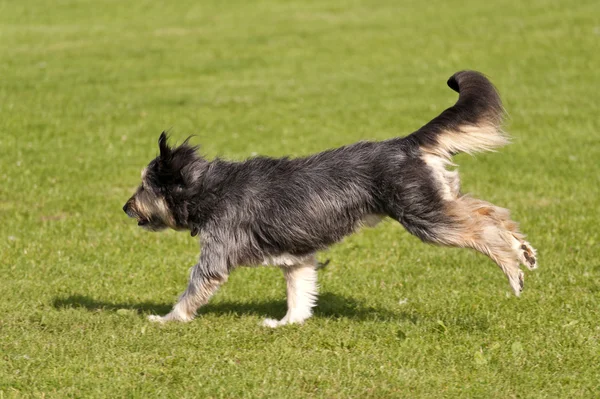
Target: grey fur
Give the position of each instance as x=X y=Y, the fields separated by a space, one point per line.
x=266 y=208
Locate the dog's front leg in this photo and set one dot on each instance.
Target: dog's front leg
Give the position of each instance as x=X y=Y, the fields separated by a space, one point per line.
x=302 y=288
x=205 y=279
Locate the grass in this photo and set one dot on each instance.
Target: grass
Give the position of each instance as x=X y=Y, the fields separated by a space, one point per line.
x=87 y=86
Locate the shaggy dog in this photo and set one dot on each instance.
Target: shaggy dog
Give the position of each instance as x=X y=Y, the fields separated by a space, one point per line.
x=266 y=211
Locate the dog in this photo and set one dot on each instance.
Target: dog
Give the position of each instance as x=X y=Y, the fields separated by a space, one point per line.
x=282 y=211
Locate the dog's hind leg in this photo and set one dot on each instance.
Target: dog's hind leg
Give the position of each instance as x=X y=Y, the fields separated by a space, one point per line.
x=205 y=279
x=488 y=229
x=429 y=205
x=461 y=221
x=302 y=289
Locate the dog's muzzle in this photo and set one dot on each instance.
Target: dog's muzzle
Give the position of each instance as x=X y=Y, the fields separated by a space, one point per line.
x=128 y=208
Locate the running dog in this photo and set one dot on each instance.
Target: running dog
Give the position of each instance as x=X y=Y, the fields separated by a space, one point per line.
x=282 y=211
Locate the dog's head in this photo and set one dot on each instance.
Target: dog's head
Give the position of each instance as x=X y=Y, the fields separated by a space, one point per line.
x=160 y=201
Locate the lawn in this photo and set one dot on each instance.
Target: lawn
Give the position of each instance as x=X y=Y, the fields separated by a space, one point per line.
x=86 y=87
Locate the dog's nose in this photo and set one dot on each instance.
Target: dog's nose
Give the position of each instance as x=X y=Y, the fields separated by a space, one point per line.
x=125 y=207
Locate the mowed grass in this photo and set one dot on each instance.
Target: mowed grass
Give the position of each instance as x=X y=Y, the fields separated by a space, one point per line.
x=87 y=86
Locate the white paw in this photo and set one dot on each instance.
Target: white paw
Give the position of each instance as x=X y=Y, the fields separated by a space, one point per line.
x=157 y=319
x=271 y=323
x=174 y=315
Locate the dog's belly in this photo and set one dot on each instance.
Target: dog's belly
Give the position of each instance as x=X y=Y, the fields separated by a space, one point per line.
x=283 y=259
x=289 y=259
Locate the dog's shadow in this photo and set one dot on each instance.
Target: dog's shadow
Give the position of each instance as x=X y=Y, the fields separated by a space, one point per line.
x=330 y=305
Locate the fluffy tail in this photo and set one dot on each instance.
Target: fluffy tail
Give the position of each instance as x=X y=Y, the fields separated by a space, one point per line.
x=473 y=124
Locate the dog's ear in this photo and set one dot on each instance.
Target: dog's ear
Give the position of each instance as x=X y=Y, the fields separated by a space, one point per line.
x=165 y=151
x=193 y=172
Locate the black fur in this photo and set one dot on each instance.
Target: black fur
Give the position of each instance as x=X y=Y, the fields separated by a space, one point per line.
x=246 y=212
x=265 y=206
x=478 y=100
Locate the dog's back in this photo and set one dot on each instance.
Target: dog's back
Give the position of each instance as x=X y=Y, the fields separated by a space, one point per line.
x=302 y=205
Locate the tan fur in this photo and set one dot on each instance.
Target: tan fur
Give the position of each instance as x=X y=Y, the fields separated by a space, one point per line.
x=158 y=207
x=478 y=224
x=488 y=229
x=468 y=139
x=448 y=180
x=190 y=301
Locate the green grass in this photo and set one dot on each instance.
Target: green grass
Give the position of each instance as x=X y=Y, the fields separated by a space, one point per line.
x=87 y=86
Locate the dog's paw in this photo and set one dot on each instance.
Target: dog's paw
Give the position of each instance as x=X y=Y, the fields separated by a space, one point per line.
x=517 y=281
x=157 y=319
x=174 y=315
x=521 y=281
x=271 y=323
x=527 y=255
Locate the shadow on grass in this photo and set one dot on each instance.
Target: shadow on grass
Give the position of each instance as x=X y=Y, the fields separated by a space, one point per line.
x=330 y=305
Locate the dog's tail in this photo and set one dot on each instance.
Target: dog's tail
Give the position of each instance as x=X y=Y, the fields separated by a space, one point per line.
x=471 y=125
